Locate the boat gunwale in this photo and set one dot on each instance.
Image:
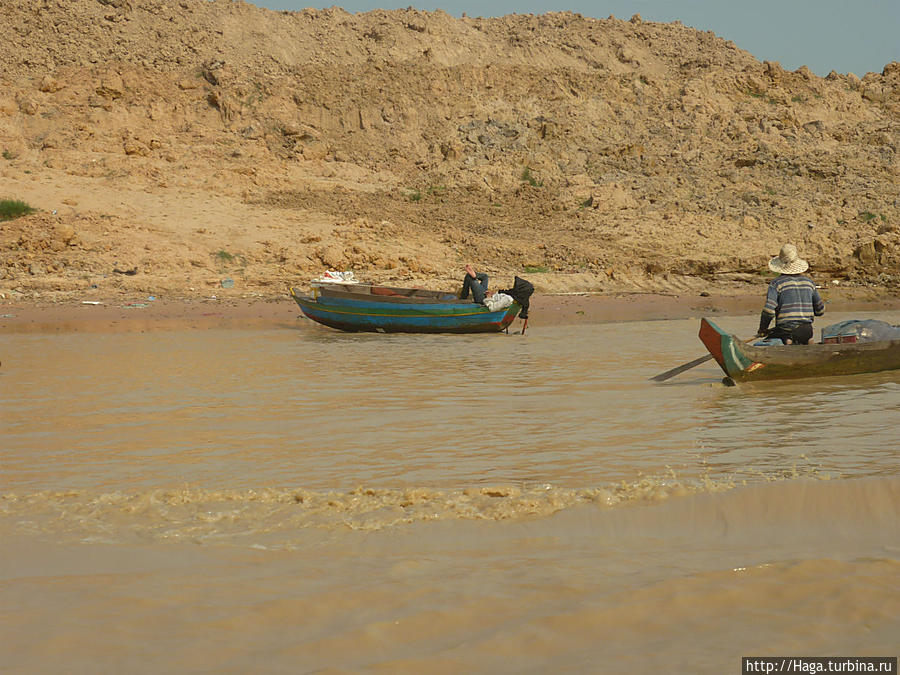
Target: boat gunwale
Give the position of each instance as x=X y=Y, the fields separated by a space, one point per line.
x=397 y=300
x=395 y=294
x=812 y=353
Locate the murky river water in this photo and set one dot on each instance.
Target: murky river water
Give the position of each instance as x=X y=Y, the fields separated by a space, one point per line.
x=295 y=499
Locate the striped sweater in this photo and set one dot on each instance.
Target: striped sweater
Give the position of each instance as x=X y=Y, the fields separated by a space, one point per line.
x=792 y=299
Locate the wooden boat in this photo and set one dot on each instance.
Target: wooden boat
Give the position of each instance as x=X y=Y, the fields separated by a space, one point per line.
x=364 y=307
x=743 y=362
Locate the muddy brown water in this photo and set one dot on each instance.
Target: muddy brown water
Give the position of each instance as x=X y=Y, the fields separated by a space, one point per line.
x=288 y=498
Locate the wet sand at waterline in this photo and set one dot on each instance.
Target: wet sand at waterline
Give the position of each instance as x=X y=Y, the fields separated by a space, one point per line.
x=268 y=495
x=130 y=312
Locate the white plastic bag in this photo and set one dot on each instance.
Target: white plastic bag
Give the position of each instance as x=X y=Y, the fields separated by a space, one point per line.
x=498 y=301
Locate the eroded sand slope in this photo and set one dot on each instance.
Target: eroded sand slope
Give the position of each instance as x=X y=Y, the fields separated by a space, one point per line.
x=171 y=145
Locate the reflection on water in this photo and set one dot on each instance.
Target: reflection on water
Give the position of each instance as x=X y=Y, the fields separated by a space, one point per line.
x=319 y=409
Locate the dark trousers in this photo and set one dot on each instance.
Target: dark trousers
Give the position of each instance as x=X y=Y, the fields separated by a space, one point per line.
x=478 y=286
x=797 y=333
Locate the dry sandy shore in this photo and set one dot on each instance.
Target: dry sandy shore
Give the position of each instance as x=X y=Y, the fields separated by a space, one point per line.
x=161 y=314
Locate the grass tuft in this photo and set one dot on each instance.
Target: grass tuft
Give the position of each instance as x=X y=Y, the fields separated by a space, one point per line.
x=527 y=177
x=13 y=208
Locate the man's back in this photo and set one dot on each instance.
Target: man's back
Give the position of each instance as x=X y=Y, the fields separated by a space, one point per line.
x=793 y=298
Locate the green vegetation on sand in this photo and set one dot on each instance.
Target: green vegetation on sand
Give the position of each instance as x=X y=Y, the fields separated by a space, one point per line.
x=13 y=208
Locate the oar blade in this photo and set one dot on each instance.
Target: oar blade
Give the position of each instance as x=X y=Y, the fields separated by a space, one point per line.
x=662 y=377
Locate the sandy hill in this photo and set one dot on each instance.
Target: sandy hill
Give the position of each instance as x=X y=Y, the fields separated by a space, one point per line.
x=172 y=144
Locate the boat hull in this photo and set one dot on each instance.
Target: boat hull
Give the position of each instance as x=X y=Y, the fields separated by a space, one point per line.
x=744 y=363
x=391 y=315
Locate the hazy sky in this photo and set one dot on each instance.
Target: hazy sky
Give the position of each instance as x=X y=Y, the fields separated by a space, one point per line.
x=849 y=36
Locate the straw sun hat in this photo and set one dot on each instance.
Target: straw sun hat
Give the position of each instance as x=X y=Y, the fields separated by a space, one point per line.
x=788 y=261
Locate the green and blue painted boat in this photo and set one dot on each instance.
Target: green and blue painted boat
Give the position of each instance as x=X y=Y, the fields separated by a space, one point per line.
x=384 y=309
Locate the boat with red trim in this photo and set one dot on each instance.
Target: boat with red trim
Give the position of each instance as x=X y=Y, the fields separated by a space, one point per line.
x=744 y=362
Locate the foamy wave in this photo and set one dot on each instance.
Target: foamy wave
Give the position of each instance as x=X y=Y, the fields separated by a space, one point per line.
x=190 y=512
x=205 y=515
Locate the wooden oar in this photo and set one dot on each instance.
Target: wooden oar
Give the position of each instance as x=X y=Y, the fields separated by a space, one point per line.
x=662 y=377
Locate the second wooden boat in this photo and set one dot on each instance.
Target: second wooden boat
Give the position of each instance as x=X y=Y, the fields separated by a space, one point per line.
x=743 y=362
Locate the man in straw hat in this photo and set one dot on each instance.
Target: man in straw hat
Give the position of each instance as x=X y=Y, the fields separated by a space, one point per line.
x=792 y=300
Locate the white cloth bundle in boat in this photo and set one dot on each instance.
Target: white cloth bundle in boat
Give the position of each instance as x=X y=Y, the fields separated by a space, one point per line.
x=333 y=277
x=498 y=301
